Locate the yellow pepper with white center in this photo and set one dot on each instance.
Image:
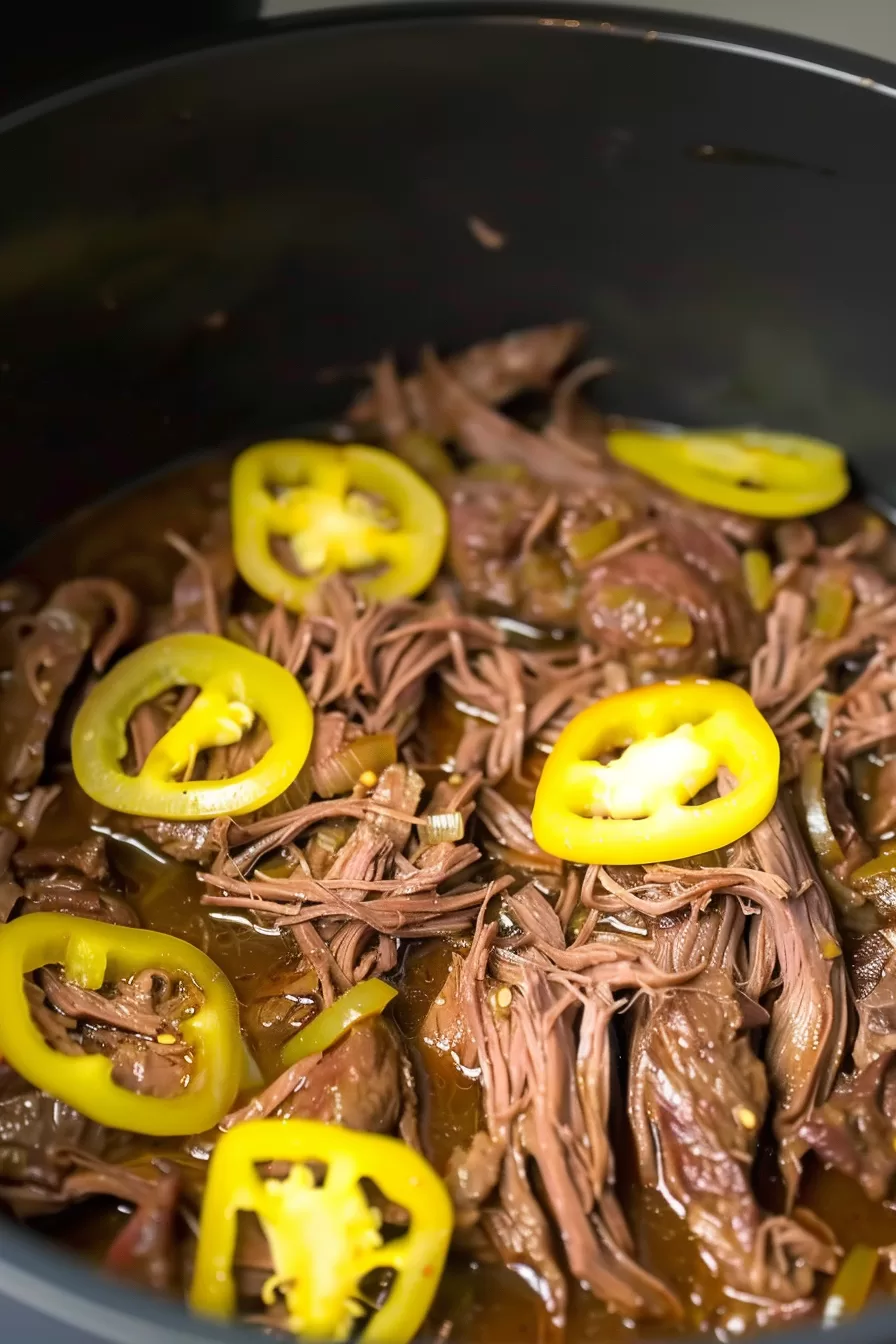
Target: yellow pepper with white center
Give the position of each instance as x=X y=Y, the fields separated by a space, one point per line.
x=674 y=738
x=236 y=685
x=324 y=1234
x=355 y=510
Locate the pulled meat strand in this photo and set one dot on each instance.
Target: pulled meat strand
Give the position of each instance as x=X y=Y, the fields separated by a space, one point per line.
x=488 y=436
x=495 y=371
x=697 y=1101
x=791 y=664
x=123 y=1024
x=533 y=1089
x=49 y=653
x=809 y=1017
x=854 y=1130
x=550 y=540
x=795 y=949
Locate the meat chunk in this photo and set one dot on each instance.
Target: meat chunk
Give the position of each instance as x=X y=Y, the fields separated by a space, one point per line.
x=809 y=1013
x=472 y=1175
x=697 y=1100
x=186 y=841
x=854 y=1129
x=489 y=520
x=125 y=1024
x=75 y=898
x=37 y=1134
x=87 y=858
x=522 y=1234
x=50 y=650
x=658 y=612
x=145 y=1250
x=357 y=1083
x=445 y=1026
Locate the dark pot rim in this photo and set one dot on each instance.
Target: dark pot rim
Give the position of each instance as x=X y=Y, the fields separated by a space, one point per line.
x=606 y=20
x=34 y=1273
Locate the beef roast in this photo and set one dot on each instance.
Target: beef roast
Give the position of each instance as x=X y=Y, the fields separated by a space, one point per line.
x=810 y=1009
x=697 y=1101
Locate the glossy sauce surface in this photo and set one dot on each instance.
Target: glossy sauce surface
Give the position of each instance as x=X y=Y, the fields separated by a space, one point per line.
x=478 y=1302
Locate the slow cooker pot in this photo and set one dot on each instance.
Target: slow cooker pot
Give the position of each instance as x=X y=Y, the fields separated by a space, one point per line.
x=191 y=251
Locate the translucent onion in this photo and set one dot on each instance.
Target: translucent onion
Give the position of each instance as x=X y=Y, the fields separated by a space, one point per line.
x=340 y=772
x=852 y=1285
x=496 y=471
x=584 y=546
x=424 y=453
x=819 y=706
x=251 y=1077
x=651 y=619
x=440 y=826
x=296 y=796
x=824 y=841
x=758 y=580
x=876 y=881
x=366 y=999
x=833 y=608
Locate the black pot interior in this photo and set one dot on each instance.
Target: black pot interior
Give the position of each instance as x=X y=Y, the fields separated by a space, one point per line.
x=183 y=253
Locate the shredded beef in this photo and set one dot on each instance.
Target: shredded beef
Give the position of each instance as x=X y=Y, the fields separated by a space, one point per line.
x=697 y=1100
x=201 y=594
x=494 y=371
x=487 y=435
x=444 y=1026
x=692 y=1013
x=854 y=1130
x=50 y=650
x=37 y=1133
x=809 y=1014
x=531 y=1054
x=123 y=1024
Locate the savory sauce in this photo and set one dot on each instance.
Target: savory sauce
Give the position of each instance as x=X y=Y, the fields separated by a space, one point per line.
x=128 y=539
x=477 y=1302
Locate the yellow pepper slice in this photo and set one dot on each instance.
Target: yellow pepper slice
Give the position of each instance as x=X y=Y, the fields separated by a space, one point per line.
x=367 y=998
x=236 y=684
x=675 y=737
x=755 y=472
x=355 y=510
x=90 y=953
x=324 y=1237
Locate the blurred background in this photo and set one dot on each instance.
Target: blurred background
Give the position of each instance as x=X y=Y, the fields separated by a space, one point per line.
x=864 y=25
x=56 y=40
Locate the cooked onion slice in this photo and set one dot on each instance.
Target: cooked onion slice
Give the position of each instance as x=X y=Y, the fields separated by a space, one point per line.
x=440 y=826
